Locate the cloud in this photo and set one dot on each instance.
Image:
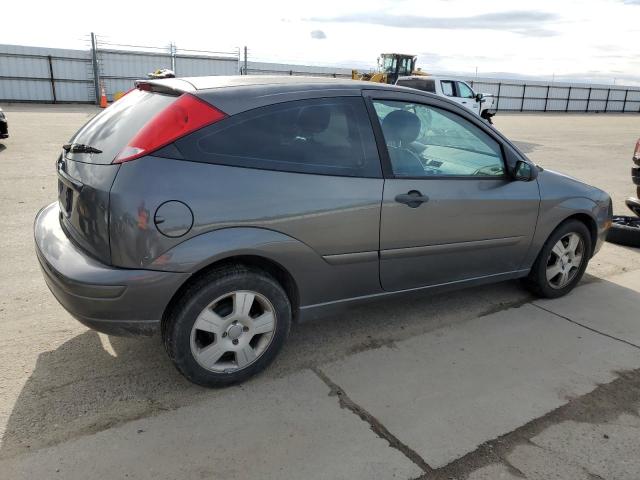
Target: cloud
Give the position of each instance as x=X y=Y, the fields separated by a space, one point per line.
x=522 y=22
x=318 y=34
x=631 y=2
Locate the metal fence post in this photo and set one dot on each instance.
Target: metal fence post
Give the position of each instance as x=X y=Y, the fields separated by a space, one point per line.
x=588 y=100
x=546 y=98
x=606 y=102
x=524 y=90
x=94 y=63
x=172 y=49
x=498 y=99
x=245 y=61
x=566 y=108
x=53 y=80
x=624 y=103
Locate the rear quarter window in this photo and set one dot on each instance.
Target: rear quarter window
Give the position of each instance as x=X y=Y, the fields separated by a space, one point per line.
x=330 y=136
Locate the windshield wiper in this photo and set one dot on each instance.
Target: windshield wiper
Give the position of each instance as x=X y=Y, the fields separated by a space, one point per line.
x=79 y=148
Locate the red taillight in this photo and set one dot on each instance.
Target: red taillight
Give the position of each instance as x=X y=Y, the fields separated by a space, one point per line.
x=636 y=153
x=187 y=114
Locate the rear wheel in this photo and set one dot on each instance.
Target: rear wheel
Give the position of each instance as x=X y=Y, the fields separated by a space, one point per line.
x=562 y=261
x=228 y=326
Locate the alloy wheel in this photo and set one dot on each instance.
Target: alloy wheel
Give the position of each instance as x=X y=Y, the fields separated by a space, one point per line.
x=233 y=331
x=565 y=260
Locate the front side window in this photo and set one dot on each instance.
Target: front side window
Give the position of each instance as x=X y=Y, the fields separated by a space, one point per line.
x=425 y=141
x=464 y=91
x=447 y=88
x=323 y=136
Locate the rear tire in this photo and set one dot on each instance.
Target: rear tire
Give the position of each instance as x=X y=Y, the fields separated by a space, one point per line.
x=228 y=326
x=557 y=271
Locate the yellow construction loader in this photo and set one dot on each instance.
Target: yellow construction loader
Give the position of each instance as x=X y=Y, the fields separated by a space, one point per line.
x=390 y=67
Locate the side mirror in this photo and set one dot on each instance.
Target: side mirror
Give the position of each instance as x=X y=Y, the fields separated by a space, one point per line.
x=524 y=171
x=479 y=97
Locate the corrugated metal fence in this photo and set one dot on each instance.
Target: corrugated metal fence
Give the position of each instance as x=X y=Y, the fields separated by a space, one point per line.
x=45 y=74
x=37 y=74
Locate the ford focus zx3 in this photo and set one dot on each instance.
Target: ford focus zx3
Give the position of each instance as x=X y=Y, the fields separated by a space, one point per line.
x=217 y=210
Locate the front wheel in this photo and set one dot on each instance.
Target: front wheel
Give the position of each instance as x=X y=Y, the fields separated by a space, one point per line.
x=562 y=261
x=228 y=326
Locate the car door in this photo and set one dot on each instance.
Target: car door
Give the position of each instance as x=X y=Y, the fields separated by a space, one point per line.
x=466 y=97
x=450 y=212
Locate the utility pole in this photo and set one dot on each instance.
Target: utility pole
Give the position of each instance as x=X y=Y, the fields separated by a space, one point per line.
x=94 y=63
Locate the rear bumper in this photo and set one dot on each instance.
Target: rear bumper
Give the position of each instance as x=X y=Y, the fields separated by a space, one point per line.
x=635 y=175
x=111 y=300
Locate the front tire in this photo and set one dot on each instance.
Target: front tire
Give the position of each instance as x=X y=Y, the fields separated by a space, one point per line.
x=228 y=326
x=562 y=261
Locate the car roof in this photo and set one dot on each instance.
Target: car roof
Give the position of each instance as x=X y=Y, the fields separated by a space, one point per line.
x=279 y=81
x=234 y=94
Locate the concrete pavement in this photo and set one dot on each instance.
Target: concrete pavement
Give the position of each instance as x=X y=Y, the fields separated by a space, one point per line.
x=485 y=383
x=397 y=411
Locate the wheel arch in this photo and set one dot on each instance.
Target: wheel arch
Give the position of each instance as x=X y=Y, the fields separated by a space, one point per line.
x=550 y=220
x=253 y=262
x=590 y=223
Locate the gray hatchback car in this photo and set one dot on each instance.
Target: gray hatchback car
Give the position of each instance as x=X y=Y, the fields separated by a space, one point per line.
x=217 y=210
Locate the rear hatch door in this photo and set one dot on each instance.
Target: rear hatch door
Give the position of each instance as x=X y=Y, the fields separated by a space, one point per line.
x=86 y=172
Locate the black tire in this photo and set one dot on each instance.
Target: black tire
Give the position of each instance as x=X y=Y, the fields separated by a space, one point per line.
x=176 y=331
x=487 y=116
x=537 y=281
x=633 y=204
x=625 y=231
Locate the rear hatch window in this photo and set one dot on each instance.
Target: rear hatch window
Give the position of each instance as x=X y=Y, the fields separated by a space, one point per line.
x=85 y=178
x=111 y=130
x=426 y=85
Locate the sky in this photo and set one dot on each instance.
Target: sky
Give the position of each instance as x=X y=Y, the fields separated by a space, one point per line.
x=587 y=40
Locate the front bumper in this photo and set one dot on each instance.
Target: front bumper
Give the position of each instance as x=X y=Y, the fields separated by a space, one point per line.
x=111 y=300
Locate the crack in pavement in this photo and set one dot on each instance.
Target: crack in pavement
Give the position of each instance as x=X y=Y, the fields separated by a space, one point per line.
x=602 y=405
x=599 y=332
x=378 y=428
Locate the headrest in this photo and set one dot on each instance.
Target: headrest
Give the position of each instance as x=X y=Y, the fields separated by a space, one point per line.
x=401 y=126
x=313 y=119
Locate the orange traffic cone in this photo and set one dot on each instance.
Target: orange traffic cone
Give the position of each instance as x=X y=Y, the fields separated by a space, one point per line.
x=103 y=97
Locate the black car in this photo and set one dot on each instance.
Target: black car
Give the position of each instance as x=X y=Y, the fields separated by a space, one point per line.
x=4 y=125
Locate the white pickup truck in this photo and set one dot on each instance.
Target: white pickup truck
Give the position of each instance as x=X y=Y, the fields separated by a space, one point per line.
x=456 y=90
